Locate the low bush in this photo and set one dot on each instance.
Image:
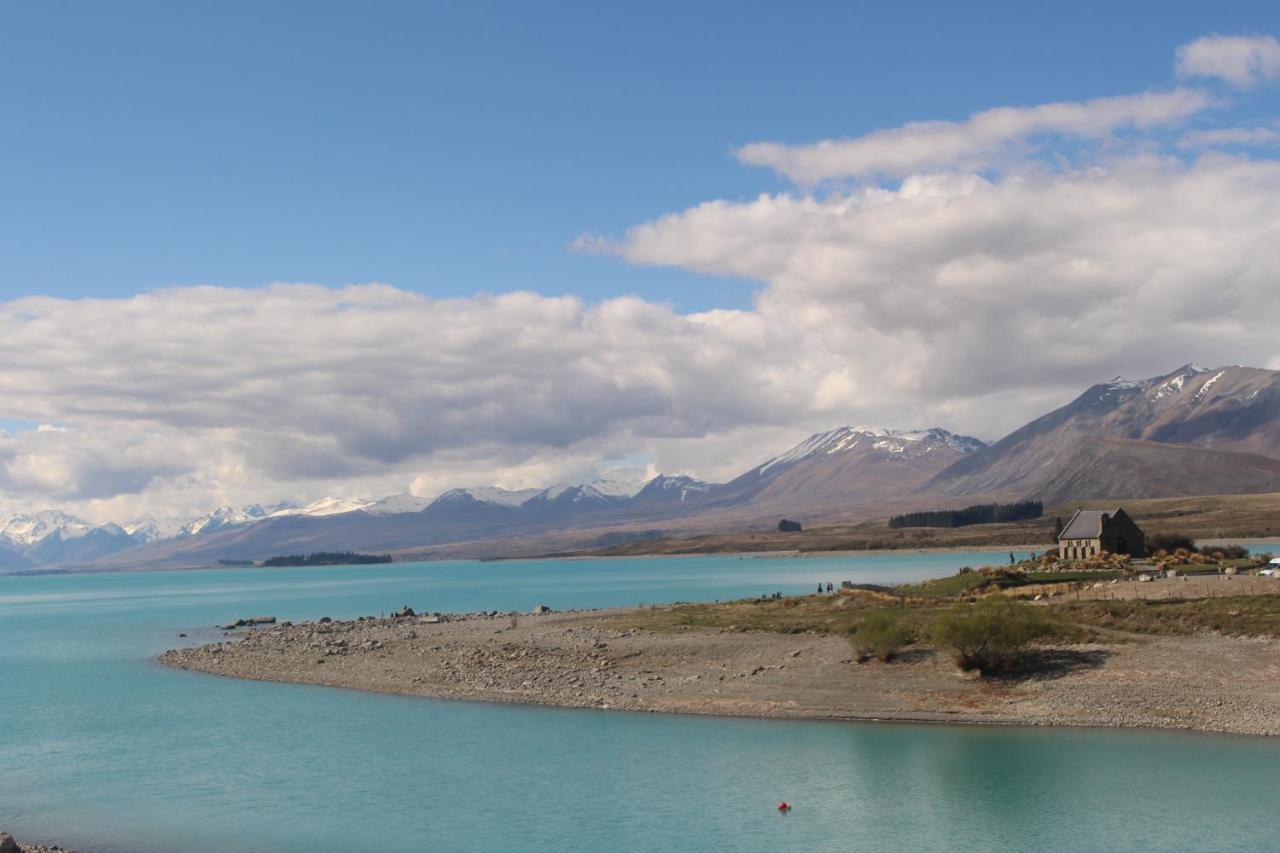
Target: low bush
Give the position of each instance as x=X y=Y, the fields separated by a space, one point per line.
x=1170 y=542
x=990 y=636
x=881 y=635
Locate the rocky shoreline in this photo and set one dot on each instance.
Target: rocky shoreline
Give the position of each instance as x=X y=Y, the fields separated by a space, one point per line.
x=9 y=845
x=606 y=659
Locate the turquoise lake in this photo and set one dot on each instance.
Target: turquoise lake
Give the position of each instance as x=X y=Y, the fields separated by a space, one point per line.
x=103 y=749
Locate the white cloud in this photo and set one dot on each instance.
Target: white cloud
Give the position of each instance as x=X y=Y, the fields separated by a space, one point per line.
x=982 y=139
x=958 y=294
x=1229 y=136
x=225 y=388
x=1242 y=61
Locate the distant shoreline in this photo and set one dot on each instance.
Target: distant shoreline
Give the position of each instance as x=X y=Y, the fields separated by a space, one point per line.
x=763 y=554
x=546 y=558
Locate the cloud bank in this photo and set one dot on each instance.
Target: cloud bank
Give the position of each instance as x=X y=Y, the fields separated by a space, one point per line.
x=955 y=283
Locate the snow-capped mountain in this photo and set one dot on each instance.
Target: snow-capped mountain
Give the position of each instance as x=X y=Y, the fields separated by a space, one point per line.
x=68 y=546
x=53 y=536
x=21 y=530
x=846 y=465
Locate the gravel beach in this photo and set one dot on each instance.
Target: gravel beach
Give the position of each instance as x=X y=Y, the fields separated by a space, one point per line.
x=598 y=659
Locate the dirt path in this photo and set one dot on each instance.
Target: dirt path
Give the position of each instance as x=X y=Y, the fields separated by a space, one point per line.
x=591 y=659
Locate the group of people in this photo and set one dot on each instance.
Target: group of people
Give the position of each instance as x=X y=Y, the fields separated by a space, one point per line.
x=830 y=588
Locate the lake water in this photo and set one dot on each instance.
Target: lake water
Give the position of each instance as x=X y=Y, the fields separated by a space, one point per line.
x=103 y=749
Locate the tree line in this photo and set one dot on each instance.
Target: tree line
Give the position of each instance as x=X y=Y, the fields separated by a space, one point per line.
x=977 y=514
x=327 y=558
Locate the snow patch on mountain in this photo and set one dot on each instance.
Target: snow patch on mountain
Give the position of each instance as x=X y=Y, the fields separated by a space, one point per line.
x=324 y=506
x=227 y=516
x=614 y=488
x=683 y=483
x=1204 y=389
x=394 y=504
x=156 y=529
x=490 y=495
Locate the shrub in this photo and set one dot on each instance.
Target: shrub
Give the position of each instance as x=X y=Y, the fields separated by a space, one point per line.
x=1170 y=542
x=880 y=635
x=990 y=636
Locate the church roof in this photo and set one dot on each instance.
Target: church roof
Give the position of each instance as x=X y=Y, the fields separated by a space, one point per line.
x=1086 y=524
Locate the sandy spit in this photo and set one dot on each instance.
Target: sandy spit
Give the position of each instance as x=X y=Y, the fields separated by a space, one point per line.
x=593 y=659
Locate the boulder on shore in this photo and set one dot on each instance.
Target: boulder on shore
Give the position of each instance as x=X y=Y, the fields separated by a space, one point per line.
x=7 y=844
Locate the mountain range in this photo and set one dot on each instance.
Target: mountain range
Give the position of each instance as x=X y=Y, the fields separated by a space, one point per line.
x=1192 y=431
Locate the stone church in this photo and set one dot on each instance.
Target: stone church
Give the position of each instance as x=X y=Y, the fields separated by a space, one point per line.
x=1092 y=531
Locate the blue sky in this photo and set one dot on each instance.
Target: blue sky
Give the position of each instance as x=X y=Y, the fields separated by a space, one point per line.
x=461 y=147
x=359 y=249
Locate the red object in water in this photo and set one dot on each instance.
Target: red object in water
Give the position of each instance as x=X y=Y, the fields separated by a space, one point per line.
x=784 y=806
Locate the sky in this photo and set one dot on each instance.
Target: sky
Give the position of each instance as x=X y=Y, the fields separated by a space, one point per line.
x=263 y=252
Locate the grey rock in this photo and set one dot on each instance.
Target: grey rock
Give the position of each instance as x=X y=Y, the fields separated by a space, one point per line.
x=7 y=844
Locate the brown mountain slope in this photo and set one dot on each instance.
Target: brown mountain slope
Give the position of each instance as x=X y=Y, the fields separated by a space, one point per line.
x=1064 y=455
x=1120 y=469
